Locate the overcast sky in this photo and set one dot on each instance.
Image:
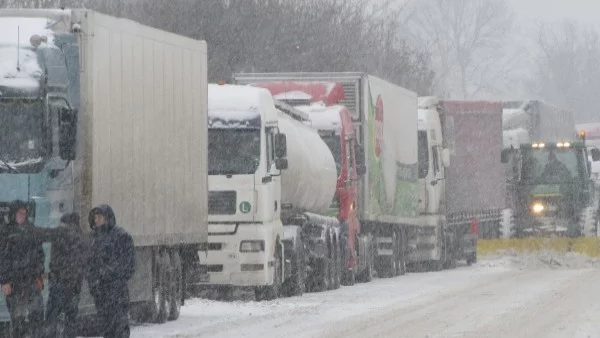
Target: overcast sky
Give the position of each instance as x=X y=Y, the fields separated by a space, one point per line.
x=587 y=11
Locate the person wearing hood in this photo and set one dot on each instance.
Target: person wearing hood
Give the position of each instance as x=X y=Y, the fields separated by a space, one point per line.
x=110 y=265
x=67 y=267
x=21 y=271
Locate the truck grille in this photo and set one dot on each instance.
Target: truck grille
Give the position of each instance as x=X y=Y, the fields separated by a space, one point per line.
x=222 y=202
x=351 y=99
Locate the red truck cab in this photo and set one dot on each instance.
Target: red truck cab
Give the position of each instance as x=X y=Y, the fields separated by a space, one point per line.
x=334 y=123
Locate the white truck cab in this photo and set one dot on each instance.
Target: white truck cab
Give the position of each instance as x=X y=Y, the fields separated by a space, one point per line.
x=433 y=159
x=244 y=191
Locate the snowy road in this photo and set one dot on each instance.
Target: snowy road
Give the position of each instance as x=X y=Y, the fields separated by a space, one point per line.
x=502 y=297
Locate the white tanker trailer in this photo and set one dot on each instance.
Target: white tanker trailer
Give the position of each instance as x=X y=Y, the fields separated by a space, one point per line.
x=308 y=183
x=271 y=180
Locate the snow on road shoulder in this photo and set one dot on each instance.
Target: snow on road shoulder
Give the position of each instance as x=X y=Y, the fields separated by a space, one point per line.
x=539 y=260
x=312 y=314
x=306 y=316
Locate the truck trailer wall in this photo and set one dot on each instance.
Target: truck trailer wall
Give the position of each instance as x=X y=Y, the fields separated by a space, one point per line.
x=390 y=141
x=475 y=179
x=555 y=123
x=144 y=115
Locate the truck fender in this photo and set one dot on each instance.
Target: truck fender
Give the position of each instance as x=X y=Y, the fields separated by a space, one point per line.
x=293 y=241
x=292 y=236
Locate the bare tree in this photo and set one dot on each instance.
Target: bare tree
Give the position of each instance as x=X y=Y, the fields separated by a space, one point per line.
x=284 y=35
x=466 y=39
x=568 y=72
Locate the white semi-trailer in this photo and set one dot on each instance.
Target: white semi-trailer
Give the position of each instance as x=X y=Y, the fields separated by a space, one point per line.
x=97 y=109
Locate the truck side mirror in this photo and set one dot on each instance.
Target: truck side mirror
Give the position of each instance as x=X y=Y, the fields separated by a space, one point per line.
x=67 y=133
x=281 y=163
x=595 y=154
x=361 y=167
x=280 y=146
x=446 y=157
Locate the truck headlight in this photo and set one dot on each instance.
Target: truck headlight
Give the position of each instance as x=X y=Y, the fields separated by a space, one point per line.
x=252 y=246
x=537 y=208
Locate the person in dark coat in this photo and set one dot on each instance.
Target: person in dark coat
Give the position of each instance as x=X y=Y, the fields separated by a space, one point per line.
x=111 y=264
x=21 y=271
x=67 y=267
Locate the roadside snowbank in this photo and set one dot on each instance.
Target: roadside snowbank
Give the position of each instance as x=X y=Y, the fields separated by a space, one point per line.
x=538 y=260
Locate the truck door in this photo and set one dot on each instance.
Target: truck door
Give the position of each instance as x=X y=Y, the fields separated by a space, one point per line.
x=423 y=167
x=274 y=186
x=438 y=181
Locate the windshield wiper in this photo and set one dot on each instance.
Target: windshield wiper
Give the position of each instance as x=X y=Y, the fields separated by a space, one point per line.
x=4 y=165
x=30 y=161
x=223 y=172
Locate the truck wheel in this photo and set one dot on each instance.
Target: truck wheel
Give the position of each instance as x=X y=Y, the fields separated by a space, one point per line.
x=397 y=257
x=157 y=308
x=402 y=252
x=322 y=275
x=451 y=252
x=164 y=287
x=348 y=277
x=176 y=286
x=295 y=285
x=366 y=275
x=472 y=259
x=387 y=266
x=369 y=271
x=337 y=266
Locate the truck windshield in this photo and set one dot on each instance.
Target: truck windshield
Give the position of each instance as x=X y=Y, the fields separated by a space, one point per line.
x=233 y=151
x=335 y=146
x=21 y=135
x=553 y=165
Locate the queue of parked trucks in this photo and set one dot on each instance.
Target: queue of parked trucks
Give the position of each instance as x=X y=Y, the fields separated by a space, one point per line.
x=281 y=182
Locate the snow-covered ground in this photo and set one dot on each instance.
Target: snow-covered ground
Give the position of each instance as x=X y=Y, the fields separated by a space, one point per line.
x=508 y=295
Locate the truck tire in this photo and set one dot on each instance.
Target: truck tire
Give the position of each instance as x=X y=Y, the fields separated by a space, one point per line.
x=156 y=310
x=366 y=275
x=387 y=266
x=176 y=286
x=348 y=274
x=164 y=301
x=452 y=251
x=296 y=284
x=348 y=277
x=321 y=276
x=398 y=256
x=402 y=252
x=336 y=266
x=472 y=259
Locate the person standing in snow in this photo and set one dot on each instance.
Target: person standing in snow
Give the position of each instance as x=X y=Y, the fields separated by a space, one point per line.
x=67 y=267
x=110 y=265
x=21 y=270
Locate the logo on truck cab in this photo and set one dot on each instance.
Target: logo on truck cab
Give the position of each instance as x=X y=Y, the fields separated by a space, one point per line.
x=245 y=207
x=378 y=126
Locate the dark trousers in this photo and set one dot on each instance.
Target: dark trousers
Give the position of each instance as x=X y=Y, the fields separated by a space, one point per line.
x=63 y=299
x=112 y=305
x=26 y=307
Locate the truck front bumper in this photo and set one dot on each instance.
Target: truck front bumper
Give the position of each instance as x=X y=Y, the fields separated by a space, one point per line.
x=228 y=265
